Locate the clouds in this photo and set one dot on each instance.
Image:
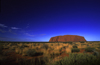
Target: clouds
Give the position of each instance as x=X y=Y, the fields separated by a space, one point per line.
x=17 y=33
x=11 y=31
x=2 y=25
x=14 y=28
x=8 y=29
x=29 y=34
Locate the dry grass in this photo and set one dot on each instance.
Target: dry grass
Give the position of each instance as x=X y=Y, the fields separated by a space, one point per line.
x=54 y=47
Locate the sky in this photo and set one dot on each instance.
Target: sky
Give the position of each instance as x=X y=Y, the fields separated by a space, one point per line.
x=39 y=20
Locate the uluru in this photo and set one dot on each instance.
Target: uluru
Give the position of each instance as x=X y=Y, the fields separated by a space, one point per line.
x=67 y=38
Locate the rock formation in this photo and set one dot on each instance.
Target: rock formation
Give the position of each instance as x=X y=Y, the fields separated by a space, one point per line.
x=67 y=38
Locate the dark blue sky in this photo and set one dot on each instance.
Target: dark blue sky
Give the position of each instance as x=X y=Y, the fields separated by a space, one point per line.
x=39 y=20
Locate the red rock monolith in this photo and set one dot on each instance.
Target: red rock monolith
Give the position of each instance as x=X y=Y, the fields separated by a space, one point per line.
x=67 y=38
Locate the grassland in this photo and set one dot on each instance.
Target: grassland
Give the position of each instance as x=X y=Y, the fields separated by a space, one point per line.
x=49 y=53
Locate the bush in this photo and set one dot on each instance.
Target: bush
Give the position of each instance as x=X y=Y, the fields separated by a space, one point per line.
x=25 y=45
x=74 y=46
x=78 y=59
x=37 y=48
x=34 y=61
x=64 y=47
x=34 y=44
x=64 y=42
x=98 y=47
x=60 y=49
x=88 y=45
x=51 y=44
x=89 y=49
x=31 y=52
x=13 y=44
x=81 y=41
x=1 y=48
x=83 y=44
x=75 y=50
x=70 y=42
x=45 y=46
x=96 y=53
x=53 y=55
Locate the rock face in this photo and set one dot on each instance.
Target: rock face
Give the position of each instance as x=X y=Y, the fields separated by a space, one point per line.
x=67 y=38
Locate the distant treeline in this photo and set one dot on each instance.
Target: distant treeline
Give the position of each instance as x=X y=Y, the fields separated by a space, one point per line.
x=44 y=42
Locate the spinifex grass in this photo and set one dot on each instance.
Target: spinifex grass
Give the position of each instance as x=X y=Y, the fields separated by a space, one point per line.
x=78 y=59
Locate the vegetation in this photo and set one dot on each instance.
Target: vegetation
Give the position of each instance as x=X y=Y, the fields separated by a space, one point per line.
x=58 y=44
x=1 y=47
x=96 y=53
x=31 y=52
x=79 y=59
x=81 y=41
x=89 y=49
x=83 y=44
x=98 y=47
x=51 y=44
x=73 y=59
x=70 y=42
x=74 y=46
x=45 y=46
x=64 y=47
x=75 y=50
x=35 y=61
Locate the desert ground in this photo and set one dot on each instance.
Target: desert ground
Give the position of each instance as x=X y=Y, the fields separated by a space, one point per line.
x=47 y=53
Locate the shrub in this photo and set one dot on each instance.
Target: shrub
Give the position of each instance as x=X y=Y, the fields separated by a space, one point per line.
x=25 y=45
x=88 y=45
x=64 y=47
x=54 y=54
x=34 y=61
x=60 y=49
x=89 y=49
x=12 y=48
x=81 y=41
x=1 y=48
x=6 y=44
x=74 y=46
x=70 y=42
x=31 y=52
x=78 y=59
x=34 y=44
x=96 y=53
x=37 y=48
x=51 y=44
x=13 y=44
x=64 y=42
x=21 y=47
x=6 y=52
x=45 y=46
x=98 y=47
x=83 y=44
x=75 y=50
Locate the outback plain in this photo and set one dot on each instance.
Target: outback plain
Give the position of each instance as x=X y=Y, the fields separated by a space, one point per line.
x=50 y=53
